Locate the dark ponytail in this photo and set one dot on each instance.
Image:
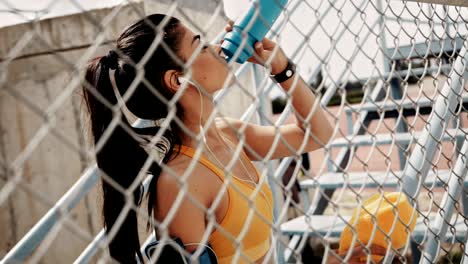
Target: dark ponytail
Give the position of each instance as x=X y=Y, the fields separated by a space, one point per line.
x=121 y=156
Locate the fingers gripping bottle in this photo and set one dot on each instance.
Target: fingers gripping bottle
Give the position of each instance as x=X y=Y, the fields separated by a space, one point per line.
x=254 y=25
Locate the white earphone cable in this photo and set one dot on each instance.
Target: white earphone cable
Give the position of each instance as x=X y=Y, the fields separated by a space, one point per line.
x=252 y=181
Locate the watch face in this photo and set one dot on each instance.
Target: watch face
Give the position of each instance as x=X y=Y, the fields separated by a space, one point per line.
x=289 y=73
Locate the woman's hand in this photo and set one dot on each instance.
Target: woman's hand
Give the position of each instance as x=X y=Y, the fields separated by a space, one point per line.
x=357 y=255
x=311 y=125
x=264 y=50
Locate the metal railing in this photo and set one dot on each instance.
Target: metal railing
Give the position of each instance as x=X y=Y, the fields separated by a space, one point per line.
x=415 y=171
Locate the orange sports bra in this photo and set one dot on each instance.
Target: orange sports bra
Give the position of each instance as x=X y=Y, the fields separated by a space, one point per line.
x=255 y=242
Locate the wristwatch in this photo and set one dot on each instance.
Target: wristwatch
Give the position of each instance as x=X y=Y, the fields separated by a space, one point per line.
x=286 y=74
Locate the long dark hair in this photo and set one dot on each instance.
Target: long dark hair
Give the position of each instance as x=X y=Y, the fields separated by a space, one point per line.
x=121 y=157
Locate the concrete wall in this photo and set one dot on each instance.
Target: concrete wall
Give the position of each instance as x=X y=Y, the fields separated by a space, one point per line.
x=38 y=75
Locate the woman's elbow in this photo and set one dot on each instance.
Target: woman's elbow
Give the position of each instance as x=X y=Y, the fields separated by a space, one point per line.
x=317 y=141
x=328 y=135
x=318 y=136
x=323 y=136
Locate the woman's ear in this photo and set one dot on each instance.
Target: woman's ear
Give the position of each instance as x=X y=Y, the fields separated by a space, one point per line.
x=171 y=81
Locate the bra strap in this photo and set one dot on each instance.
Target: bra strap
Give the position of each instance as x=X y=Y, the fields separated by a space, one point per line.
x=190 y=152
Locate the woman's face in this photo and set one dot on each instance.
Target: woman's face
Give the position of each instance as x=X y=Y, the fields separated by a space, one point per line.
x=209 y=68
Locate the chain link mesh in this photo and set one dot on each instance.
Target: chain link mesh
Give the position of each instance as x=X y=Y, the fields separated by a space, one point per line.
x=379 y=71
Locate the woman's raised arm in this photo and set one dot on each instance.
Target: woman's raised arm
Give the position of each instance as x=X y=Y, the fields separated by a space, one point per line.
x=308 y=111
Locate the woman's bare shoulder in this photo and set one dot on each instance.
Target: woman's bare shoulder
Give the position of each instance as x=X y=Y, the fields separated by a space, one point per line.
x=199 y=180
x=178 y=178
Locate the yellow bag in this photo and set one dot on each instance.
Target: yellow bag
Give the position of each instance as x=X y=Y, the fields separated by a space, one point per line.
x=384 y=211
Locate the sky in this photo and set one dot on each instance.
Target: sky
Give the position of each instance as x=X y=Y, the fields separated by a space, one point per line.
x=309 y=33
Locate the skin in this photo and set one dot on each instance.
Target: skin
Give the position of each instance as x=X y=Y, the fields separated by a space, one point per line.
x=210 y=71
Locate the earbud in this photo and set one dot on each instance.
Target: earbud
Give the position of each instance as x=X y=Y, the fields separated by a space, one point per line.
x=181 y=79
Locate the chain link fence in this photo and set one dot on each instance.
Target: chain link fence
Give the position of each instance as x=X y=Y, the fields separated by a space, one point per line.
x=388 y=75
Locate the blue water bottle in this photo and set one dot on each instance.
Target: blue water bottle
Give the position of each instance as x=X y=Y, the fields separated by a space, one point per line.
x=255 y=27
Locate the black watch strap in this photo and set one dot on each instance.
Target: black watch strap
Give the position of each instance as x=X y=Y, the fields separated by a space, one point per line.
x=286 y=74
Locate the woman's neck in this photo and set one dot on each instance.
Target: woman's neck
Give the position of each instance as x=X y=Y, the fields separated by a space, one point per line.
x=198 y=118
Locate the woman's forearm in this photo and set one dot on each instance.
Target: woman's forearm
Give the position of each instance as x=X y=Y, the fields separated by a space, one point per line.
x=308 y=110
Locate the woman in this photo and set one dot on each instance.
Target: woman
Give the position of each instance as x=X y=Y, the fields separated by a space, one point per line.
x=121 y=156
